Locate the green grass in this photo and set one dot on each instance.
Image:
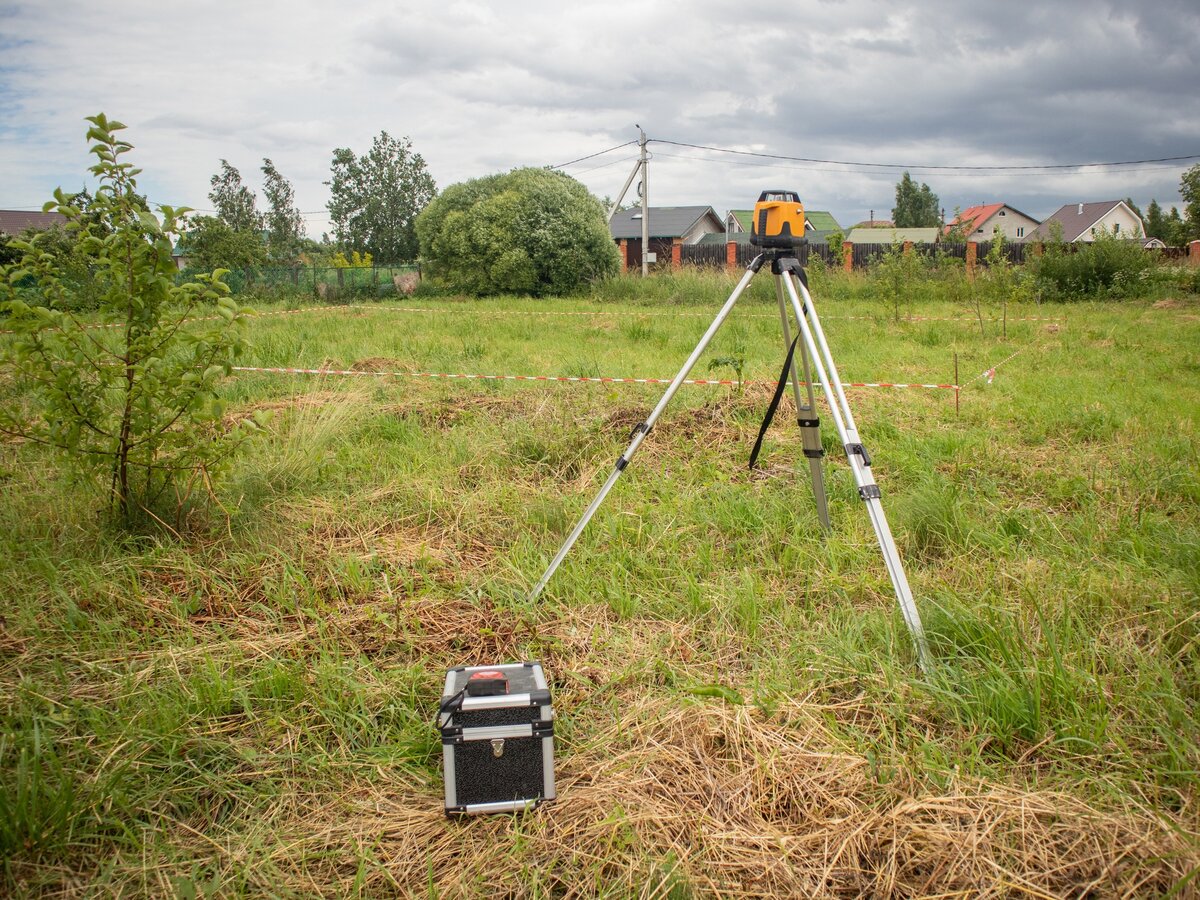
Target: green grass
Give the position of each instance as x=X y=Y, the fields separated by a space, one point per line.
x=182 y=714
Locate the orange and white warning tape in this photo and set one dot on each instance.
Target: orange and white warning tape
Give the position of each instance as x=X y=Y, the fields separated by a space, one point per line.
x=584 y=379
x=989 y=375
x=608 y=312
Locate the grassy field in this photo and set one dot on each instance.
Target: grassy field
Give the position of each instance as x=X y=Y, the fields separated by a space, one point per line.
x=245 y=707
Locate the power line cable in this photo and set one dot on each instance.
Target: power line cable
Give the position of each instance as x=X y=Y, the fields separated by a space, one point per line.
x=871 y=165
x=591 y=155
x=982 y=174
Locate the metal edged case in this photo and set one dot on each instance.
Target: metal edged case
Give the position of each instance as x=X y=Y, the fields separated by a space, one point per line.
x=498 y=748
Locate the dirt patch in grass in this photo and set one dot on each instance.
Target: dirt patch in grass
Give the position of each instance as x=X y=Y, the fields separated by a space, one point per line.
x=450 y=411
x=380 y=364
x=726 y=800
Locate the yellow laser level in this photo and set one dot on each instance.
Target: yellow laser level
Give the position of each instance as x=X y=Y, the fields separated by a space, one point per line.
x=778 y=220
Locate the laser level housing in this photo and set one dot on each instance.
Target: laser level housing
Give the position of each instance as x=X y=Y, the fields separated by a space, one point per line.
x=778 y=220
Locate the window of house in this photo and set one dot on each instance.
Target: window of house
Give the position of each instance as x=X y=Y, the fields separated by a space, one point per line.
x=1116 y=227
x=1021 y=231
x=1003 y=213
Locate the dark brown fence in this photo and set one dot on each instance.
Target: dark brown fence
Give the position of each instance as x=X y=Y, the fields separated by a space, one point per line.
x=714 y=255
x=864 y=255
x=717 y=255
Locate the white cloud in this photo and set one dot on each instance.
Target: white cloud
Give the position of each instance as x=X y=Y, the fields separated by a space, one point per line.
x=481 y=87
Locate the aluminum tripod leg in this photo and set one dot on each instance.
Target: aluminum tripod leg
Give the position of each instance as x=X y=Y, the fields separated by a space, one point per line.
x=640 y=432
x=860 y=461
x=810 y=425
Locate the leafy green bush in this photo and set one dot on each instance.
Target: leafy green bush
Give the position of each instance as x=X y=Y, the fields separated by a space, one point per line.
x=134 y=401
x=894 y=276
x=1108 y=266
x=530 y=231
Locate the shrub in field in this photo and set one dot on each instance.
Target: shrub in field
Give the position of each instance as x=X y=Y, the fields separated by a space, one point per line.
x=530 y=231
x=134 y=401
x=1108 y=265
x=894 y=276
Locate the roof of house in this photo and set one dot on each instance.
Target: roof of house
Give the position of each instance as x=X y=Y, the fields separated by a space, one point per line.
x=874 y=223
x=821 y=220
x=973 y=218
x=743 y=216
x=14 y=221
x=892 y=235
x=665 y=221
x=1076 y=218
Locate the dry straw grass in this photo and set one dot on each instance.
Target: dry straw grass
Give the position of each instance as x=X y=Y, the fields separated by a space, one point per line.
x=732 y=803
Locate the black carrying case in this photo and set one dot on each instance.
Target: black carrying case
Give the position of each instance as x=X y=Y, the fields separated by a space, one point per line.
x=498 y=750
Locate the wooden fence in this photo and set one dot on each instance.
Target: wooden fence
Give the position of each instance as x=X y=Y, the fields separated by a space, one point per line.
x=973 y=255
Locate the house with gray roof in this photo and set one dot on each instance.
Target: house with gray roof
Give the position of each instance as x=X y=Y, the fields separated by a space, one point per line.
x=1081 y=222
x=17 y=221
x=668 y=226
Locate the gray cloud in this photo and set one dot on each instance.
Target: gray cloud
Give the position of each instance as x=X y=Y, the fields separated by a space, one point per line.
x=481 y=87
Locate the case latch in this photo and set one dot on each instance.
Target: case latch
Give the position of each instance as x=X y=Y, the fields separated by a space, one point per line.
x=497 y=747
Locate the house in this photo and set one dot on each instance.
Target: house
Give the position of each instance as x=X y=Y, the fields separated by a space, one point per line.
x=180 y=255
x=14 y=222
x=979 y=223
x=1083 y=221
x=892 y=235
x=669 y=226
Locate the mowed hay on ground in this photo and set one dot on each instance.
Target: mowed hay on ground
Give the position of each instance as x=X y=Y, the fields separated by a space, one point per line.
x=726 y=800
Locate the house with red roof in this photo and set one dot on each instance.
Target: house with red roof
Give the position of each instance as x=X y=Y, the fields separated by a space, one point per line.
x=979 y=223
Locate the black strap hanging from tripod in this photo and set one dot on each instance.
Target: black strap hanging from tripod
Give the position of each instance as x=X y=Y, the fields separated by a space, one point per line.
x=774 y=405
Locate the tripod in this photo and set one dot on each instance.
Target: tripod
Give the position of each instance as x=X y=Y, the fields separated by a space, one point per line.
x=791 y=283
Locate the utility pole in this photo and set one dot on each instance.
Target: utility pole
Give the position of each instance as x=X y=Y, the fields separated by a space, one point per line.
x=645 y=210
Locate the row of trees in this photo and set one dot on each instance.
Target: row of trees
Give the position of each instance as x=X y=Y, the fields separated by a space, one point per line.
x=374 y=202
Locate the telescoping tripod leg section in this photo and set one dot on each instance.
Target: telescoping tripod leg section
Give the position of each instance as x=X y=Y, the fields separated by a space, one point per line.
x=806 y=412
x=789 y=278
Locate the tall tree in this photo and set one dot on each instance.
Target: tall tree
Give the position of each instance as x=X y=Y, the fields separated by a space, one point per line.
x=375 y=198
x=285 y=227
x=234 y=202
x=1155 y=221
x=1189 y=189
x=916 y=206
x=1175 y=229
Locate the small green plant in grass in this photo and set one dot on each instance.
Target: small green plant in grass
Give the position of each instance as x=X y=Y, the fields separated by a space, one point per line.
x=736 y=363
x=132 y=402
x=895 y=276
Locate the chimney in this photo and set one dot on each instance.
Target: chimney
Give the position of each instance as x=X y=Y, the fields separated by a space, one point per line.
x=1079 y=212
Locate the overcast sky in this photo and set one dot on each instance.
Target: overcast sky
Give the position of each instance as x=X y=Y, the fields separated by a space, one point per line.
x=484 y=87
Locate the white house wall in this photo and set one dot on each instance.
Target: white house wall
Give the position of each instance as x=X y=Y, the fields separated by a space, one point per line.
x=1121 y=215
x=704 y=226
x=1015 y=226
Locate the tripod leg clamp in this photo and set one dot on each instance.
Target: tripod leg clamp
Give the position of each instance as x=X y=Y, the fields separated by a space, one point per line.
x=869 y=492
x=861 y=451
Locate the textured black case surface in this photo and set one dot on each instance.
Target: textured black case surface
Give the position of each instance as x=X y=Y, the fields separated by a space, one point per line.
x=482 y=777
